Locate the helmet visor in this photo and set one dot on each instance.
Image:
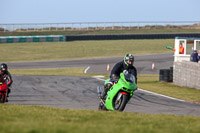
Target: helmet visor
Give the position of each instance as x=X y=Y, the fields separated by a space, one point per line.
x=130 y=62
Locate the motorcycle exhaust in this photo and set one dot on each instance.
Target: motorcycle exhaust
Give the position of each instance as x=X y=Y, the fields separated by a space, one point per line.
x=99 y=91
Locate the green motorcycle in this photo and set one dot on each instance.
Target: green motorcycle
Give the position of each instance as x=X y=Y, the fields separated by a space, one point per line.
x=119 y=94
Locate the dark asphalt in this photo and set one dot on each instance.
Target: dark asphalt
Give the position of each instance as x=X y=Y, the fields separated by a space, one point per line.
x=80 y=92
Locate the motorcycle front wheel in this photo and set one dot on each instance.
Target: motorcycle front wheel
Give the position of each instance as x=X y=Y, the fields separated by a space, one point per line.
x=121 y=103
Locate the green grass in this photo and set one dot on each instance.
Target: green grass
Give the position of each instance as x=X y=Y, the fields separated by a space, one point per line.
x=81 y=49
x=49 y=72
x=151 y=83
x=53 y=72
x=36 y=119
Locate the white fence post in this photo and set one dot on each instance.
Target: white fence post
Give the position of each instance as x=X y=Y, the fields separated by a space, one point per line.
x=88 y=26
x=12 y=27
x=4 y=28
x=99 y=25
x=49 y=27
x=96 y=26
x=72 y=26
x=35 y=27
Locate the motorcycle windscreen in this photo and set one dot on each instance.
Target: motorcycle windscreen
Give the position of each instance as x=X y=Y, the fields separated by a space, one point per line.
x=129 y=78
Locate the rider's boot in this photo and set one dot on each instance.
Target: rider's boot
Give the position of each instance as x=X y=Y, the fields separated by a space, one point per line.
x=8 y=92
x=106 y=88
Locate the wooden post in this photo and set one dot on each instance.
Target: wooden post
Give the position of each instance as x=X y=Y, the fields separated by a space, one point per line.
x=12 y=27
x=27 y=27
x=4 y=28
x=49 y=27
x=88 y=27
x=96 y=26
x=72 y=26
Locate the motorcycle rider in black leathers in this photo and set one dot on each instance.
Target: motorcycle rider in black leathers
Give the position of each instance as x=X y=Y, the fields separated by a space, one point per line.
x=6 y=75
x=126 y=64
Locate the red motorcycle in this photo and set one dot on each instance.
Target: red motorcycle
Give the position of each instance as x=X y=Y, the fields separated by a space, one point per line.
x=3 y=90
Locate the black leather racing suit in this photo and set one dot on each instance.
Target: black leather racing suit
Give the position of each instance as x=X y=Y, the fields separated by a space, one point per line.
x=115 y=74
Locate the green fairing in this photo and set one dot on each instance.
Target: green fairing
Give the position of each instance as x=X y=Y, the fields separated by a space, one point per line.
x=121 y=85
x=107 y=81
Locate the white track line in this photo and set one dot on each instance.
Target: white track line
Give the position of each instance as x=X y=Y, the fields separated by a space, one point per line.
x=100 y=78
x=86 y=69
x=161 y=95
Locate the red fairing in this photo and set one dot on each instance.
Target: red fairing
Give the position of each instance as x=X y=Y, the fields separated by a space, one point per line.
x=3 y=89
x=124 y=93
x=9 y=82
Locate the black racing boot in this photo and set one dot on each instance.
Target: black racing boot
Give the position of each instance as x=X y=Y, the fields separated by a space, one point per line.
x=106 y=88
x=8 y=92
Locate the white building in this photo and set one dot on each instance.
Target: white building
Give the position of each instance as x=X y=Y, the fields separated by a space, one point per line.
x=189 y=45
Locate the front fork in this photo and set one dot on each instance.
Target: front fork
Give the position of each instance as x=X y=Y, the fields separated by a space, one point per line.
x=120 y=95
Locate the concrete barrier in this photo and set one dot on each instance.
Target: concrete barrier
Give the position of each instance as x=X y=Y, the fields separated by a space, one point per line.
x=129 y=36
x=187 y=73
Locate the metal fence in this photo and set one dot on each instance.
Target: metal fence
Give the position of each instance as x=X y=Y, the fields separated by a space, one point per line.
x=78 y=26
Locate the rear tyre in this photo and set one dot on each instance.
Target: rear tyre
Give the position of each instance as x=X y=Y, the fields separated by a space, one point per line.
x=121 y=103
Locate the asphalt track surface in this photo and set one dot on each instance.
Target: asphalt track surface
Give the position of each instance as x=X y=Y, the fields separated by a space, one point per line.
x=80 y=92
x=143 y=63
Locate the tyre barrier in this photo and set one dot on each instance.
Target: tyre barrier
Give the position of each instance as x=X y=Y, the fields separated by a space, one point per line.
x=166 y=75
x=128 y=36
x=171 y=74
x=19 y=39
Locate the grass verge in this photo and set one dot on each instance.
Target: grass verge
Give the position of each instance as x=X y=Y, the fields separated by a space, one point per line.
x=53 y=72
x=14 y=52
x=151 y=83
x=36 y=119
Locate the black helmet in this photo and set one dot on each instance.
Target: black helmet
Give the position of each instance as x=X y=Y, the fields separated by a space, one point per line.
x=129 y=60
x=4 y=67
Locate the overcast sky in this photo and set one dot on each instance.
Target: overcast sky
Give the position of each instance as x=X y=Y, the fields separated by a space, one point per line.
x=63 y=11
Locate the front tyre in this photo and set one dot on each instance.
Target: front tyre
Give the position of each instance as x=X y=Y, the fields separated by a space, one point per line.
x=2 y=99
x=121 y=102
